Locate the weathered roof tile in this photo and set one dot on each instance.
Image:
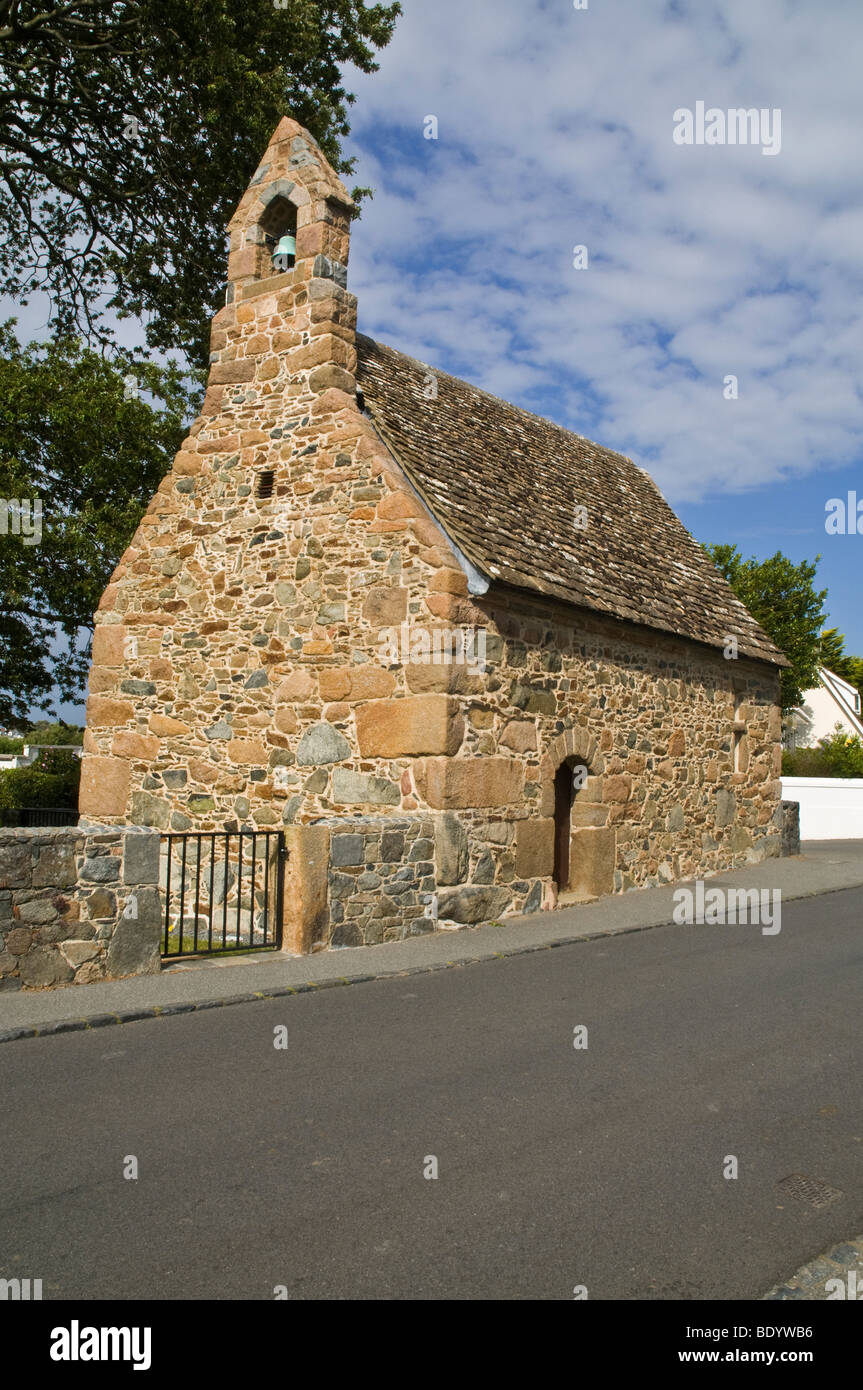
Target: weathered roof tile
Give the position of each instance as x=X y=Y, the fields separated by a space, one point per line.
x=505 y=486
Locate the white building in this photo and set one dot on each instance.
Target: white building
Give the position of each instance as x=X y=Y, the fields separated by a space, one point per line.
x=30 y=755
x=833 y=702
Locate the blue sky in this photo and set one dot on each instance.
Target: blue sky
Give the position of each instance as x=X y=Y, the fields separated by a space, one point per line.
x=555 y=130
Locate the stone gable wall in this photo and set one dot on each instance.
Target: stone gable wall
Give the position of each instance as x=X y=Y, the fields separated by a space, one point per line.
x=238 y=637
x=237 y=672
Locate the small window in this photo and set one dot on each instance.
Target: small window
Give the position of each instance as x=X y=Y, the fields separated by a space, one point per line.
x=264 y=490
x=738 y=748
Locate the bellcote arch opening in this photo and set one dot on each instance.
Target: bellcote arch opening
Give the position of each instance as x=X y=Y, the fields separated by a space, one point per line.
x=277 y=232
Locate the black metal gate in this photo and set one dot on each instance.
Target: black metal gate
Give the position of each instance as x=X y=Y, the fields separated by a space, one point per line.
x=222 y=891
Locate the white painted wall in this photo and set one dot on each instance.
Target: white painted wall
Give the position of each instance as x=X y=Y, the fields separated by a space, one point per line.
x=831 y=808
x=833 y=702
x=824 y=715
x=10 y=761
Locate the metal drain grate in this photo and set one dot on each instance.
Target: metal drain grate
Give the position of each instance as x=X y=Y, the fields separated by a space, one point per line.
x=808 y=1190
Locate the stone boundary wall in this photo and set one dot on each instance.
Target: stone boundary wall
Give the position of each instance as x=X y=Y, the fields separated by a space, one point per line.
x=371 y=880
x=790 y=828
x=368 y=880
x=77 y=905
x=381 y=879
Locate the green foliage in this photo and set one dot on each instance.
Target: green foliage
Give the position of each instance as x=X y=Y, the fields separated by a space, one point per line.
x=70 y=439
x=840 y=755
x=52 y=781
x=131 y=131
x=835 y=658
x=781 y=597
x=832 y=650
x=43 y=732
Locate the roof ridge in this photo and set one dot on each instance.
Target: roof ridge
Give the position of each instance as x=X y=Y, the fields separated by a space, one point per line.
x=499 y=400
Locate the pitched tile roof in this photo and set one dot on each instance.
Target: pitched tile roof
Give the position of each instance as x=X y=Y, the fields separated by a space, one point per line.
x=505 y=485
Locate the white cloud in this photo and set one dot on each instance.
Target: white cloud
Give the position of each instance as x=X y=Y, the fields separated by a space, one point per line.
x=555 y=130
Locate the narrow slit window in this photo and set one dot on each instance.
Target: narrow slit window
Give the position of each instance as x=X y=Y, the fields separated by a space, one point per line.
x=735 y=758
x=266 y=480
x=738 y=733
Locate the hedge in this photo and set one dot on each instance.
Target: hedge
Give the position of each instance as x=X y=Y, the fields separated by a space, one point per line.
x=51 y=781
x=840 y=755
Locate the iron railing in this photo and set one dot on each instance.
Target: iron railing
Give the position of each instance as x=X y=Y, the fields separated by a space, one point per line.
x=34 y=816
x=222 y=891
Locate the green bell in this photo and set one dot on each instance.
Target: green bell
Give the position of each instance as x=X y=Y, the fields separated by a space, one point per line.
x=285 y=253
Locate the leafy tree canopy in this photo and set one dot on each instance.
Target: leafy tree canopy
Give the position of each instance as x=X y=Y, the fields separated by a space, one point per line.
x=42 y=732
x=129 y=132
x=780 y=596
x=837 y=660
x=75 y=439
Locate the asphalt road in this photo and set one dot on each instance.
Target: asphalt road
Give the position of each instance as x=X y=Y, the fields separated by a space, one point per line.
x=558 y=1167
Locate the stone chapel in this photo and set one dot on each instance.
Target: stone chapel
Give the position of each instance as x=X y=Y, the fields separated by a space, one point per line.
x=471 y=663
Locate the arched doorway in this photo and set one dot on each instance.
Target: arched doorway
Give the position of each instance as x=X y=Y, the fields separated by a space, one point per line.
x=582 y=856
x=562 y=824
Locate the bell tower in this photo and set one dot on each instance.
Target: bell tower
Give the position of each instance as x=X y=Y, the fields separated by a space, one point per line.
x=287 y=310
x=294 y=193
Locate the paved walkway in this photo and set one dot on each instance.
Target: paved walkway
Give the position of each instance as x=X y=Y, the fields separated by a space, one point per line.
x=842 y=1262
x=822 y=867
